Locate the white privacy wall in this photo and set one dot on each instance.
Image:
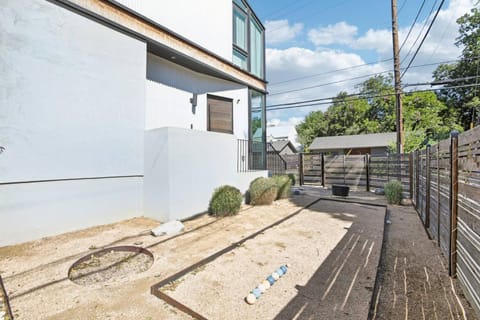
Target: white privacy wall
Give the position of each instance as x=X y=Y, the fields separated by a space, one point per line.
x=206 y=23
x=183 y=167
x=72 y=96
x=170 y=87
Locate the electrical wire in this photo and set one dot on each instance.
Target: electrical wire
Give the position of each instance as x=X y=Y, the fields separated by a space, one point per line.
x=354 y=78
x=413 y=25
x=359 y=96
x=328 y=72
x=424 y=37
x=420 y=33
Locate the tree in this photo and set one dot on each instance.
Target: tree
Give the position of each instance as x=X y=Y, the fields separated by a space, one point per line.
x=461 y=100
x=425 y=120
x=346 y=116
x=314 y=125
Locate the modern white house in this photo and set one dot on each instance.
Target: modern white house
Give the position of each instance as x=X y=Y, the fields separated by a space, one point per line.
x=116 y=109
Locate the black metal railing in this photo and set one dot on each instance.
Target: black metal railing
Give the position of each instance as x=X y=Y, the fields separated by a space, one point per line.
x=252 y=156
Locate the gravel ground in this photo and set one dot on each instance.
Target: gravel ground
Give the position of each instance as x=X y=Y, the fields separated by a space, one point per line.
x=330 y=283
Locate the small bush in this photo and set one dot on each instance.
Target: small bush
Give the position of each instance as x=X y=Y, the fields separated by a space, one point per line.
x=225 y=201
x=262 y=191
x=393 y=192
x=284 y=183
x=292 y=177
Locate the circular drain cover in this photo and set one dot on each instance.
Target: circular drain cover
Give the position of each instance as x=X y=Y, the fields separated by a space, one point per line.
x=110 y=264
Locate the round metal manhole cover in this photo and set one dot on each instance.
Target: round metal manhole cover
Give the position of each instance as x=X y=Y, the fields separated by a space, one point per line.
x=110 y=265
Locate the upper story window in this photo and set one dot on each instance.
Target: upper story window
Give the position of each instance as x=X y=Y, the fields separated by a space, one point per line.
x=248 y=40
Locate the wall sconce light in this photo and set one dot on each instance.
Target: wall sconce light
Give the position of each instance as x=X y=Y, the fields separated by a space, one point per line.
x=193 y=101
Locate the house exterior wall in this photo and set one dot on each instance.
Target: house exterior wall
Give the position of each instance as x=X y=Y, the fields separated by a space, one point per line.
x=70 y=108
x=168 y=93
x=183 y=167
x=206 y=23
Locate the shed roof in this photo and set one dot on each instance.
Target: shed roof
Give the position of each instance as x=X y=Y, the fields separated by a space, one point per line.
x=373 y=140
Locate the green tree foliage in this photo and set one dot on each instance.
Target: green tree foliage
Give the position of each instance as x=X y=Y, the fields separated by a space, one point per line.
x=464 y=101
x=314 y=125
x=426 y=118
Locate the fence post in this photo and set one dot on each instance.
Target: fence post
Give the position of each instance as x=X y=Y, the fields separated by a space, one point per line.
x=367 y=170
x=452 y=270
x=438 y=194
x=300 y=169
x=323 y=170
x=427 y=187
x=388 y=167
x=417 y=179
x=410 y=174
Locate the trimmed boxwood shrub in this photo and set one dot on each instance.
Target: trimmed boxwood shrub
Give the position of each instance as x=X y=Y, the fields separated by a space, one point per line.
x=263 y=191
x=284 y=183
x=225 y=201
x=393 y=192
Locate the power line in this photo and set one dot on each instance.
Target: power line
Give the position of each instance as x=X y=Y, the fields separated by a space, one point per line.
x=328 y=83
x=329 y=72
x=424 y=37
x=420 y=33
x=354 y=78
x=413 y=25
x=360 y=96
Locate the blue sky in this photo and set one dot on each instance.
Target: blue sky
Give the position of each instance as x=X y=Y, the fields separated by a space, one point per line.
x=309 y=37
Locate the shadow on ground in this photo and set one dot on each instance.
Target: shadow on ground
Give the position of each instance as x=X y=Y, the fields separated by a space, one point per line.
x=343 y=285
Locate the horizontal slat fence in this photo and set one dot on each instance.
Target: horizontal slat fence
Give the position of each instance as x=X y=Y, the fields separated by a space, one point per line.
x=361 y=172
x=446 y=194
x=383 y=169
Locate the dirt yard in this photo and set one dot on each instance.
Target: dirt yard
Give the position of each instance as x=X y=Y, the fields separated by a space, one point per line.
x=333 y=249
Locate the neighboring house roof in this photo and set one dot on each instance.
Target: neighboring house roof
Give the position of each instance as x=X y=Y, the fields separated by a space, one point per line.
x=280 y=145
x=373 y=140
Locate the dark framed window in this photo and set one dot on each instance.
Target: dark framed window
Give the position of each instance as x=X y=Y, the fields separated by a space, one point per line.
x=219 y=114
x=248 y=40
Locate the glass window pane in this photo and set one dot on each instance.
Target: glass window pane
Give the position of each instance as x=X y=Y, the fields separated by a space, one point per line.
x=257 y=130
x=240 y=59
x=239 y=29
x=256 y=49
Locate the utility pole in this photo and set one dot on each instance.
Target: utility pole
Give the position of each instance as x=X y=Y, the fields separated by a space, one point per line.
x=398 y=84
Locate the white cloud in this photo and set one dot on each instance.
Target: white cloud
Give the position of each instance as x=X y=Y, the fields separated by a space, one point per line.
x=303 y=63
x=299 y=62
x=292 y=121
x=340 y=32
x=278 y=31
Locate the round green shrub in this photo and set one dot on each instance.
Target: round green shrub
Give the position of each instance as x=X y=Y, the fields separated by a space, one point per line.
x=284 y=184
x=292 y=177
x=393 y=192
x=263 y=191
x=225 y=201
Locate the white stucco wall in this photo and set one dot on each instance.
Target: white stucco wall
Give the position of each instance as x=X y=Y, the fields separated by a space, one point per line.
x=183 y=168
x=72 y=96
x=170 y=87
x=206 y=23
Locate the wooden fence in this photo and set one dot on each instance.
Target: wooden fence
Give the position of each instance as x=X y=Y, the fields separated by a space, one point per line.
x=362 y=172
x=446 y=194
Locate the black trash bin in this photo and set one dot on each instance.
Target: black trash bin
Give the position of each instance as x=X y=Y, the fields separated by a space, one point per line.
x=340 y=190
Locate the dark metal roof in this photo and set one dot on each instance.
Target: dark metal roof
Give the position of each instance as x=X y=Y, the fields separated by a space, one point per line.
x=373 y=140
x=282 y=144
